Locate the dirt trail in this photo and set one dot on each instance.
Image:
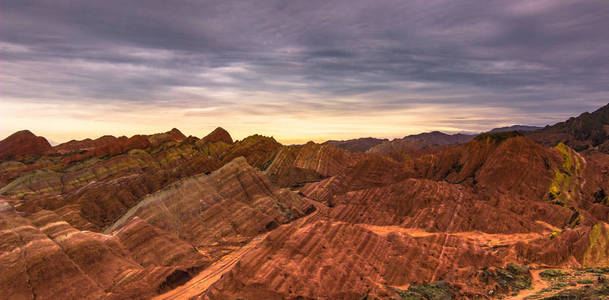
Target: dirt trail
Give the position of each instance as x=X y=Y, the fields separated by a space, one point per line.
x=212 y=274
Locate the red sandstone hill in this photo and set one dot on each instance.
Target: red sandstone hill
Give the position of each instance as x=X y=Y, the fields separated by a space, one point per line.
x=22 y=144
x=175 y=217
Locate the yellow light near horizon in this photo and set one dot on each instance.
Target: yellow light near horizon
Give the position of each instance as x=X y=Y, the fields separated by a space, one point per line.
x=60 y=122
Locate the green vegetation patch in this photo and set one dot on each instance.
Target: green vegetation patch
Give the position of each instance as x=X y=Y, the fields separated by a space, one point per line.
x=586 y=292
x=512 y=279
x=558 y=286
x=597 y=270
x=585 y=281
x=439 y=290
x=550 y=274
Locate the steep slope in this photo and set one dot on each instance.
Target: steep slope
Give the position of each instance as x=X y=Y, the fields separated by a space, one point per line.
x=21 y=145
x=378 y=191
x=112 y=145
x=152 y=246
x=218 y=211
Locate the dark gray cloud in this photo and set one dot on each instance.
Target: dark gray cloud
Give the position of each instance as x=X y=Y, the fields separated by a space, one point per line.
x=325 y=57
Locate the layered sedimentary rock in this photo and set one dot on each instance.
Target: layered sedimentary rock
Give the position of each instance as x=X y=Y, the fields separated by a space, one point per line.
x=149 y=250
x=297 y=165
x=325 y=259
x=97 y=188
x=258 y=150
x=221 y=210
x=176 y=217
x=152 y=246
x=43 y=257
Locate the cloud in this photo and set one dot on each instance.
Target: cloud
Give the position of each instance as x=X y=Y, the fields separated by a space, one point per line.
x=538 y=61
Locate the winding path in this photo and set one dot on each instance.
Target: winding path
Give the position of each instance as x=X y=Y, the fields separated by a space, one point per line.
x=213 y=273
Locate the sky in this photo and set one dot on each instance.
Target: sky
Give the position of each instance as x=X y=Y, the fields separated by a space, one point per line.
x=298 y=70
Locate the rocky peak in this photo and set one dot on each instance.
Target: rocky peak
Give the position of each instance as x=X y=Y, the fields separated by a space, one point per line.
x=219 y=135
x=22 y=144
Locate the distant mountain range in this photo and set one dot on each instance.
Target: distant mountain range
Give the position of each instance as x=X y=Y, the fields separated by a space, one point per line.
x=416 y=141
x=523 y=128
